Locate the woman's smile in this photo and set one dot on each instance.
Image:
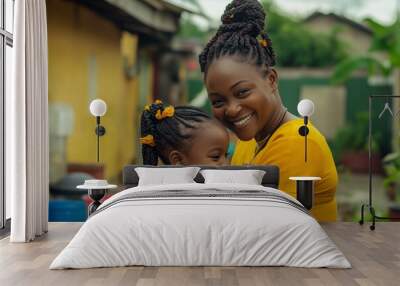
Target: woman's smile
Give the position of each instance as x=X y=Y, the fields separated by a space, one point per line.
x=242 y=121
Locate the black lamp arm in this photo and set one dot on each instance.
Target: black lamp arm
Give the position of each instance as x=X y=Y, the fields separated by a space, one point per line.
x=303 y=131
x=100 y=131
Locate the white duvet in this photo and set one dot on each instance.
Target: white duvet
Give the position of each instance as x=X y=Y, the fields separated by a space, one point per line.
x=188 y=231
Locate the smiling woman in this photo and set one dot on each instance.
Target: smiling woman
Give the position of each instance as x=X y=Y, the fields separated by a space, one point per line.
x=243 y=89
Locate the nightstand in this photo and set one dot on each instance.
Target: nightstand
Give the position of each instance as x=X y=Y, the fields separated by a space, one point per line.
x=305 y=190
x=96 y=190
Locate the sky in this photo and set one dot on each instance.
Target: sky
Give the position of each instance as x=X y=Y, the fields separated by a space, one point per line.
x=383 y=11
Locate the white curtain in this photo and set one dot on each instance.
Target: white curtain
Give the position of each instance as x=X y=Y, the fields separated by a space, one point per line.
x=27 y=154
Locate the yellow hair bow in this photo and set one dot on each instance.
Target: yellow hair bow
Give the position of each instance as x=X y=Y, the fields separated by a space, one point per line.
x=147 y=107
x=167 y=112
x=148 y=140
x=263 y=42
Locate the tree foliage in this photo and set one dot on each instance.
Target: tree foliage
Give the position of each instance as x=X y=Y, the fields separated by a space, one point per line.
x=294 y=44
x=297 y=46
x=189 y=29
x=386 y=40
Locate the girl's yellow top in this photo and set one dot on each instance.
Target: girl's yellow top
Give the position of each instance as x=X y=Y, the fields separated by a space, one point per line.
x=285 y=149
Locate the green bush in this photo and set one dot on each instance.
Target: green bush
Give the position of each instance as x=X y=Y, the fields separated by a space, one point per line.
x=354 y=137
x=392 y=169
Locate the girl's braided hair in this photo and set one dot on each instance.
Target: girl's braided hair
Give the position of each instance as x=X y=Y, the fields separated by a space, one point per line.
x=167 y=132
x=241 y=34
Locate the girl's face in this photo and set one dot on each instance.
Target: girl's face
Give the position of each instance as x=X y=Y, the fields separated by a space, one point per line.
x=208 y=146
x=242 y=97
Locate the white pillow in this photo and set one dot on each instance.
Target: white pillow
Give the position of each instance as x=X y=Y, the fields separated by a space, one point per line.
x=166 y=176
x=248 y=177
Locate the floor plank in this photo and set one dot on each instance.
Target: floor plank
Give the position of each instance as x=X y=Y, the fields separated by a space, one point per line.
x=375 y=257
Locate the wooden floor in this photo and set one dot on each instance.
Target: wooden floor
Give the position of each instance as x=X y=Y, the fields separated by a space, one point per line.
x=375 y=256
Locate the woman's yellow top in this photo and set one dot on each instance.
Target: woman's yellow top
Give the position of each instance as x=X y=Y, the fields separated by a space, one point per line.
x=285 y=148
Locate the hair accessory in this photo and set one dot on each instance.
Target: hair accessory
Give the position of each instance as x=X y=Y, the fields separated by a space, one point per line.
x=169 y=111
x=148 y=140
x=154 y=105
x=263 y=42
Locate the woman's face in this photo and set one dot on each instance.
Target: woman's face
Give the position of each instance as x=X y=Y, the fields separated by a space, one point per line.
x=208 y=146
x=242 y=97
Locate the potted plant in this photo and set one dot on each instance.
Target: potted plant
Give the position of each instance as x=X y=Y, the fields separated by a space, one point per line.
x=391 y=182
x=392 y=174
x=350 y=146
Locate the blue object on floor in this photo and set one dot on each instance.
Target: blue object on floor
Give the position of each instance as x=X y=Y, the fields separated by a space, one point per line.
x=67 y=210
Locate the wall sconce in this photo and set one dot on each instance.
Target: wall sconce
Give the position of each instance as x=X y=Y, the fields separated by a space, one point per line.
x=97 y=188
x=305 y=185
x=98 y=108
x=305 y=109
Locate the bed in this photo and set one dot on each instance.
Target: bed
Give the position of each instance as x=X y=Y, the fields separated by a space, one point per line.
x=201 y=224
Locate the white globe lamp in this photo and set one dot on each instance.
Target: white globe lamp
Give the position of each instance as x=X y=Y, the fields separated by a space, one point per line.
x=98 y=107
x=305 y=108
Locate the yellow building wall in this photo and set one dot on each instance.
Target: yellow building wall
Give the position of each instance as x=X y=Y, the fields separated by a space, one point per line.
x=76 y=37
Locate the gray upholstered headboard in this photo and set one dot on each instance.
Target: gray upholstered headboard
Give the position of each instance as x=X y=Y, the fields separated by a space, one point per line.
x=270 y=179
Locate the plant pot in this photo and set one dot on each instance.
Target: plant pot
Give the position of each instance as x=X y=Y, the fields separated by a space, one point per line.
x=394 y=212
x=391 y=192
x=358 y=162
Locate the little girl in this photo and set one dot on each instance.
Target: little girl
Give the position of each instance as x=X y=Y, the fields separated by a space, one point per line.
x=182 y=135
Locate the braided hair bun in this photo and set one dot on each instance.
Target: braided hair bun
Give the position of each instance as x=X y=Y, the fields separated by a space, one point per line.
x=241 y=34
x=245 y=17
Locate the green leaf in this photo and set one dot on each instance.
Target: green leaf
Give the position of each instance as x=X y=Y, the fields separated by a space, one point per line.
x=376 y=28
x=394 y=60
x=391 y=157
x=344 y=69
